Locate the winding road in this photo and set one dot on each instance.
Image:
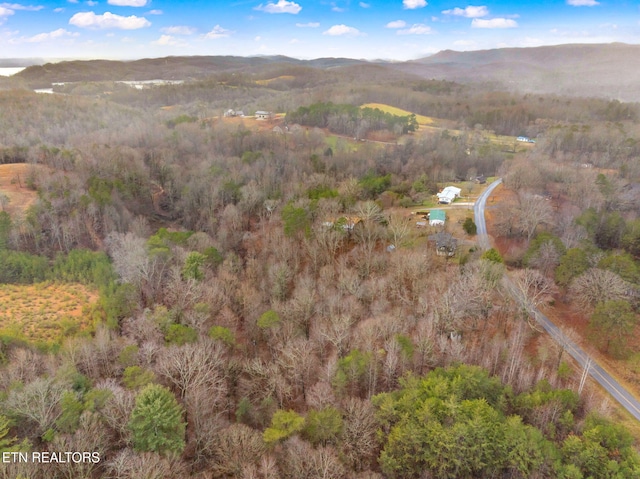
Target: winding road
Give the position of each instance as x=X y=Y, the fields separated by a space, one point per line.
x=619 y=393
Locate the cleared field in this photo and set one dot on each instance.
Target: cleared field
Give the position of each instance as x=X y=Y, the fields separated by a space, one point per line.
x=271 y=80
x=422 y=120
x=13 y=184
x=44 y=313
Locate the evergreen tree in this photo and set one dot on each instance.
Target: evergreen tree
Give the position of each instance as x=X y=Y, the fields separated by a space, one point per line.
x=156 y=421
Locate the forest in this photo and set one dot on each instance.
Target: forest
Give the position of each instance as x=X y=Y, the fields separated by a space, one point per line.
x=242 y=314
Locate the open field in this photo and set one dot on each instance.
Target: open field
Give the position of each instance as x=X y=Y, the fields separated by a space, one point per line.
x=271 y=80
x=422 y=120
x=46 y=312
x=13 y=184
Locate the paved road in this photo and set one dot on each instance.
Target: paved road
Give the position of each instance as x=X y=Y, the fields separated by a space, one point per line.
x=603 y=378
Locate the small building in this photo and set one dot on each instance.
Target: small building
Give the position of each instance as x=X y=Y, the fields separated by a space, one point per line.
x=449 y=194
x=525 y=139
x=346 y=223
x=437 y=218
x=263 y=115
x=446 y=244
x=481 y=180
x=231 y=113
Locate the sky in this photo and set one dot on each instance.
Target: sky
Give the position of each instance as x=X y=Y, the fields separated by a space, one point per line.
x=366 y=29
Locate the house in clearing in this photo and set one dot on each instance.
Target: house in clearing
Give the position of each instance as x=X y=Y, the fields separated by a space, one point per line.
x=230 y=113
x=346 y=223
x=449 y=194
x=437 y=218
x=446 y=244
x=263 y=115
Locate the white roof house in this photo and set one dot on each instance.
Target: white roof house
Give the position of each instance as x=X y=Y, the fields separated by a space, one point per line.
x=263 y=115
x=449 y=194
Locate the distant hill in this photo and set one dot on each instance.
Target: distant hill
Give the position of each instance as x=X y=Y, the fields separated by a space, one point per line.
x=168 y=68
x=602 y=70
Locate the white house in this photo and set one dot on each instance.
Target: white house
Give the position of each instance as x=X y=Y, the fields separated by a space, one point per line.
x=449 y=194
x=263 y=115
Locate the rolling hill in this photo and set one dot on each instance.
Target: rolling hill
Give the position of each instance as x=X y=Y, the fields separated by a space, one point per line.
x=600 y=70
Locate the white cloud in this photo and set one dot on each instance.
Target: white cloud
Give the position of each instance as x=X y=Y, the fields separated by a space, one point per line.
x=45 y=37
x=338 y=9
x=155 y=12
x=178 y=30
x=342 y=30
x=494 y=23
x=396 y=24
x=364 y=5
x=582 y=3
x=417 y=29
x=91 y=3
x=218 y=32
x=283 y=6
x=4 y=13
x=308 y=25
x=257 y=39
x=58 y=10
x=169 y=41
x=413 y=4
x=293 y=41
x=72 y=1
x=468 y=12
x=17 y=6
x=127 y=3
x=108 y=20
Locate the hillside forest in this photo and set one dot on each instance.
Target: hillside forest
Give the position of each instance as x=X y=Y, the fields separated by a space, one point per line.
x=189 y=294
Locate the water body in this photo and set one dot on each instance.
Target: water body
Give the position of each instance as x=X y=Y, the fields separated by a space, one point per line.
x=8 y=71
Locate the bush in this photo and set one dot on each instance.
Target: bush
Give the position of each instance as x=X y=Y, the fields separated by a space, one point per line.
x=469 y=227
x=492 y=255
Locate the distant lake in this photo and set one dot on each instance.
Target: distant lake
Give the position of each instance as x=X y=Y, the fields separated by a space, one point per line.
x=8 y=71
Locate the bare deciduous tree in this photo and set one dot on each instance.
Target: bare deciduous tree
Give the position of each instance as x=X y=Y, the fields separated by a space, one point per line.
x=303 y=461
x=128 y=464
x=235 y=448
x=195 y=365
x=532 y=289
x=37 y=402
x=546 y=258
x=598 y=285
x=117 y=409
x=533 y=211
x=336 y=329
x=359 y=436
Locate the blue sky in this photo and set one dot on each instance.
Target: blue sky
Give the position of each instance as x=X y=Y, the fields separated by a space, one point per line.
x=369 y=29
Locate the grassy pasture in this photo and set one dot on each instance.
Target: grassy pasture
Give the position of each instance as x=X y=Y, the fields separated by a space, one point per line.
x=44 y=313
x=422 y=120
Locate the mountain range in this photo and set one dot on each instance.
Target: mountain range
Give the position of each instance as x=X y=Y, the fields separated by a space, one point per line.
x=600 y=70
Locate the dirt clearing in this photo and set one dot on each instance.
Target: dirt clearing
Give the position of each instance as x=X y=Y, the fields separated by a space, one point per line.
x=13 y=184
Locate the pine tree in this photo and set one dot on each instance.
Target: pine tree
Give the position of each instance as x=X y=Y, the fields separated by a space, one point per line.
x=156 y=421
